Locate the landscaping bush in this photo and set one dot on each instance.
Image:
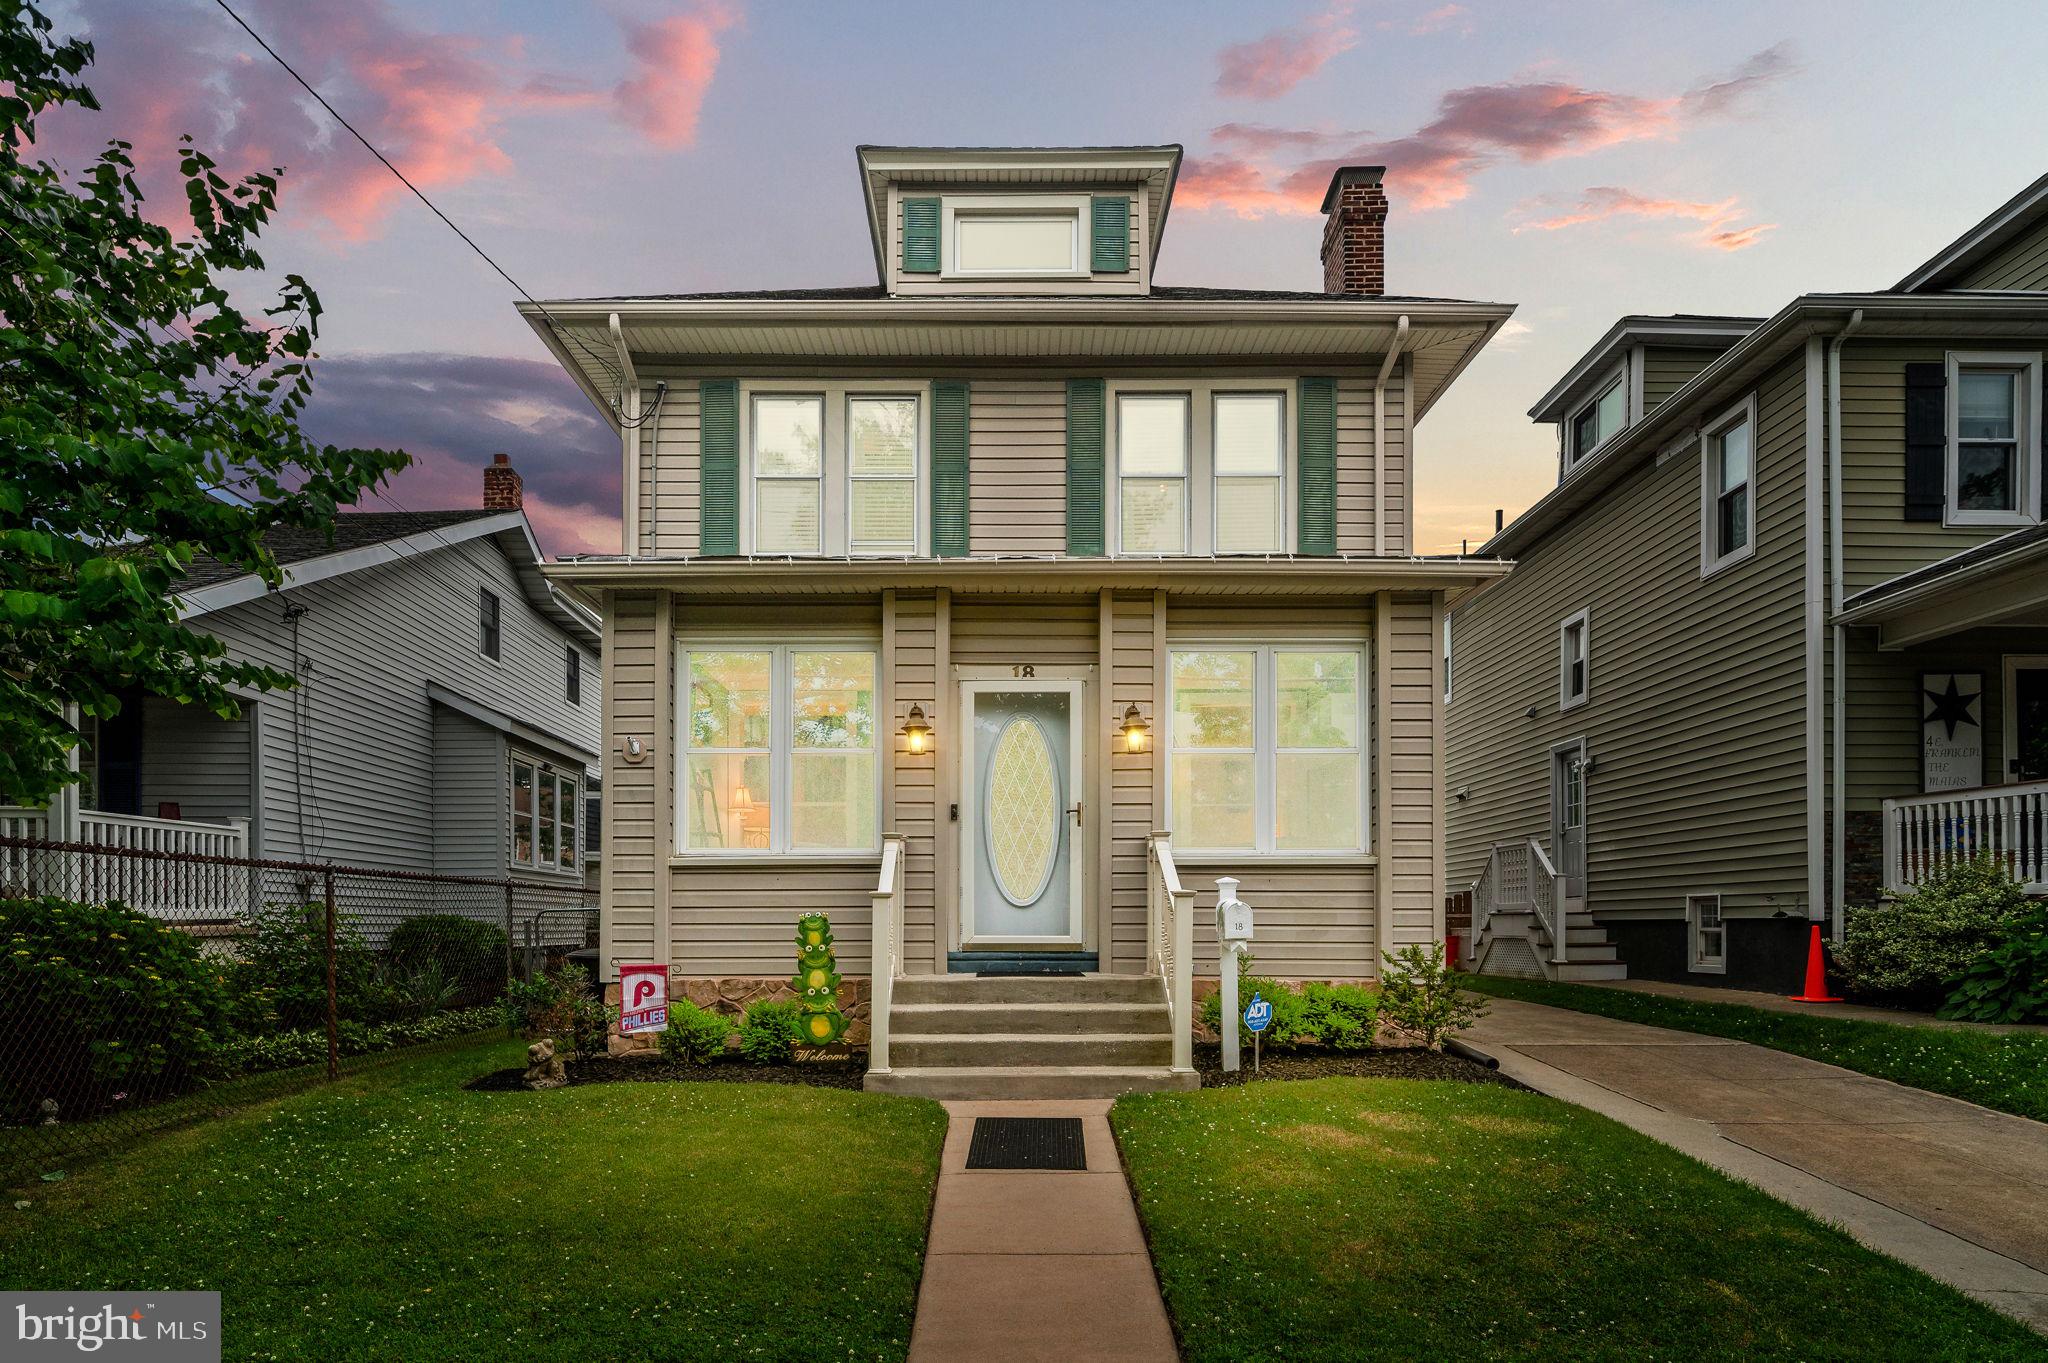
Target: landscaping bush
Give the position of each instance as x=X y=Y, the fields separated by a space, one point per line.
x=308 y=1046
x=558 y=1004
x=1904 y=952
x=467 y=953
x=1342 y=1017
x=1419 y=996
x=100 y=1004
x=282 y=978
x=694 y=1034
x=2008 y=983
x=768 y=1031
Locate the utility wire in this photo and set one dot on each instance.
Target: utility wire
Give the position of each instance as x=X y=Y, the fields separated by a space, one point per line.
x=567 y=337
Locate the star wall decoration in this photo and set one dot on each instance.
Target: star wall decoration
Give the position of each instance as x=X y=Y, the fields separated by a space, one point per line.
x=1950 y=708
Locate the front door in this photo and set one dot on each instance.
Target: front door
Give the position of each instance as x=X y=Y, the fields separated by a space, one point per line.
x=2027 y=723
x=1020 y=817
x=1568 y=816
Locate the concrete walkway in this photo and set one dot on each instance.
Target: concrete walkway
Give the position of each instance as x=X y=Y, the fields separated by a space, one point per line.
x=1037 y=1264
x=1778 y=1003
x=1955 y=1190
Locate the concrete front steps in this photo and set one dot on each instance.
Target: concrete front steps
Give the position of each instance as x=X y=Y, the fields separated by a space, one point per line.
x=1028 y=1036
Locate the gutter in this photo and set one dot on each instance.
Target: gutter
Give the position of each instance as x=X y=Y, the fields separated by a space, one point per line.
x=1839 y=834
x=1379 y=436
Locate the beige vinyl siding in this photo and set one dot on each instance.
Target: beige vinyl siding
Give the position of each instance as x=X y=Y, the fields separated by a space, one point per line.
x=912 y=646
x=1878 y=542
x=2020 y=264
x=1354 y=467
x=669 y=501
x=1666 y=370
x=732 y=919
x=1137 y=639
x=1695 y=711
x=632 y=842
x=1045 y=634
x=1017 y=469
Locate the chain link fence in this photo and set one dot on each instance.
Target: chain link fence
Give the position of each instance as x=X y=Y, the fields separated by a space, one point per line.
x=139 y=988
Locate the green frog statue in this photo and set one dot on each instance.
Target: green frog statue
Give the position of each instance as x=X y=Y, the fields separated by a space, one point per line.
x=817 y=982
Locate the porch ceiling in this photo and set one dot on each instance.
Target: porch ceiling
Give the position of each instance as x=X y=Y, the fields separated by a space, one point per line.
x=2000 y=582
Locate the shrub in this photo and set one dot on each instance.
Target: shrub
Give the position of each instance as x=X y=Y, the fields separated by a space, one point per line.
x=282 y=979
x=768 y=1031
x=558 y=1004
x=2008 y=983
x=1343 y=1017
x=99 y=1002
x=694 y=1034
x=1419 y=996
x=1905 y=951
x=308 y=1046
x=467 y=953
x=1289 y=1027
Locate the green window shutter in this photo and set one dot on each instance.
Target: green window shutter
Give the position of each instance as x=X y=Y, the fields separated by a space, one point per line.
x=1085 y=423
x=949 y=468
x=718 y=445
x=1109 y=234
x=1316 y=404
x=920 y=236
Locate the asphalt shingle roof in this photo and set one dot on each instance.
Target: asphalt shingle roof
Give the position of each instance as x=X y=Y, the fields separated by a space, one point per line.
x=352 y=530
x=2028 y=538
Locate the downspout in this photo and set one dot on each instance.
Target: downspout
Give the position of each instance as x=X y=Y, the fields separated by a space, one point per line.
x=1379 y=437
x=627 y=409
x=1839 y=841
x=1815 y=600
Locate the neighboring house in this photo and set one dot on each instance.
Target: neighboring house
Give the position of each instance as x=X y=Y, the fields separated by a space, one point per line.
x=1779 y=636
x=445 y=718
x=1138 y=557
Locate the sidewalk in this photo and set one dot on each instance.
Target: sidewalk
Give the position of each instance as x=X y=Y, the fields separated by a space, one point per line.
x=1778 y=1003
x=1955 y=1190
x=1037 y=1264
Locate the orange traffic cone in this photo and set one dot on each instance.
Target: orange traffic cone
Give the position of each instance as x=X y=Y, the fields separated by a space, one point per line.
x=1816 y=974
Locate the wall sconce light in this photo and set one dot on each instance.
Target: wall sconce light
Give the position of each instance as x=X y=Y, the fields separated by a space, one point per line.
x=1137 y=733
x=917 y=735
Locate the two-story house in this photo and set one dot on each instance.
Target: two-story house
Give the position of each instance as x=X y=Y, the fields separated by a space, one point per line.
x=1778 y=638
x=444 y=720
x=999 y=607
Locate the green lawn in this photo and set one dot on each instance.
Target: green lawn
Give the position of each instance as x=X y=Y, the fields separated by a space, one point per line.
x=1340 y=1219
x=394 y=1215
x=2007 y=1071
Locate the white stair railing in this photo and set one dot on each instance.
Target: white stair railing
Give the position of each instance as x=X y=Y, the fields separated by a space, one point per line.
x=885 y=965
x=1924 y=834
x=1170 y=945
x=1546 y=901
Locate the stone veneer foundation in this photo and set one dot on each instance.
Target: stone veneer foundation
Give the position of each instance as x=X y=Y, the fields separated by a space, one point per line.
x=732 y=994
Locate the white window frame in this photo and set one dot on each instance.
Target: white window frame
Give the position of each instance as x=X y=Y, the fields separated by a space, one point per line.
x=1695 y=962
x=2027 y=474
x=755 y=477
x=1449 y=676
x=918 y=464
x=1711 y=559
x=835 y=508
x=1216 y=393
x=563 y=779
x=1186 y=475
x=1200 y=534
x=953 y=207
x=781 y=729
x=1573 y=456
x=1583 y=621
x=1265 y=749
x=490 y=625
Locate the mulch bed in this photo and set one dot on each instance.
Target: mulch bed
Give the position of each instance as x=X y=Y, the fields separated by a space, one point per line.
x=1385 y=1062
x=607 y=1069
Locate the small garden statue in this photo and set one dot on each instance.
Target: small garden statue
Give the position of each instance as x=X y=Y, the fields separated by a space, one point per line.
x=543 y=1067
x=817 y=982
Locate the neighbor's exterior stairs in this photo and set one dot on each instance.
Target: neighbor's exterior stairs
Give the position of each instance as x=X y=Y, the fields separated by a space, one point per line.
x=1029 y=1036
x=1515 y=942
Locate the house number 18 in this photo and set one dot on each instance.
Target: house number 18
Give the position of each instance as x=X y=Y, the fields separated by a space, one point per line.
x=1023 y=670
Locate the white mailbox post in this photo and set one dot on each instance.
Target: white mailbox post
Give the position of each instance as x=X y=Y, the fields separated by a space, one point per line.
x=1233 y=938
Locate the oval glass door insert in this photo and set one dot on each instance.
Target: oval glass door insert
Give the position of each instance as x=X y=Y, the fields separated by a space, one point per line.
x=1021 y=811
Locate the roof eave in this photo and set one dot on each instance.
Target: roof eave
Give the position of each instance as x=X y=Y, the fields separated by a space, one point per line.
x=1624 y=334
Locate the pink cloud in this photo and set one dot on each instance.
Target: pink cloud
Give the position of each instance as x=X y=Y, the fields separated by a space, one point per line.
x=1717 y=231
x=1269 y=66
x=674 y=60
x=1475 y=127
x=1442 y=19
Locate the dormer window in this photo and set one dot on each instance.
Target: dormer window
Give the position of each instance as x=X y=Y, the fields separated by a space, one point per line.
x=1010 y=236
x=1602 y=416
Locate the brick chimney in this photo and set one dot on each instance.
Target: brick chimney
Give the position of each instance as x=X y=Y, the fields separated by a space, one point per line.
x=1355 y=234
x=504 y=489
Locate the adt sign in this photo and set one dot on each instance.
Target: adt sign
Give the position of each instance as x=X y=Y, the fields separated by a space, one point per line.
x=1258 y=1015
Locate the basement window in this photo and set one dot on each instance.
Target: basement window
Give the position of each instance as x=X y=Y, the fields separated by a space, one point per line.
x=1706 y=934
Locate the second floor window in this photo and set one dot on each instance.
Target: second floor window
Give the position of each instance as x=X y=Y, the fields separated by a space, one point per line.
x=489 y=635
x=1572 y=663
x=1152 y=472
x=789 y=468
x=1600 y=418
x=1251 y=459
x=881 y=468
x=1727 y=491
x=572 y=686
x=1200 y=471
x=1994 y=451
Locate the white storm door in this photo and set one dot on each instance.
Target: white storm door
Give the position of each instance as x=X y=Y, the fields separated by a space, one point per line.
x=1021 y=813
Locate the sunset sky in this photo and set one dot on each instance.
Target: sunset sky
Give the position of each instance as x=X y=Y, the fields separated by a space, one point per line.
x=1582 y=161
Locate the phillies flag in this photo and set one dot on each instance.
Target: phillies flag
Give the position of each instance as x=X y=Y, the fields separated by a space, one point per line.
x=643 y=999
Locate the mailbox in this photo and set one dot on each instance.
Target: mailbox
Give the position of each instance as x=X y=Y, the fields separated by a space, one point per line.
x=1233 y=915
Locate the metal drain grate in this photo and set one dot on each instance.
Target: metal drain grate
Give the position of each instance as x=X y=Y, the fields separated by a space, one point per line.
x=1026 y=1143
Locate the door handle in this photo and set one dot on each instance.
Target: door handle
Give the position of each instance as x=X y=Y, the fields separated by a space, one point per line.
x=1076 y=812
